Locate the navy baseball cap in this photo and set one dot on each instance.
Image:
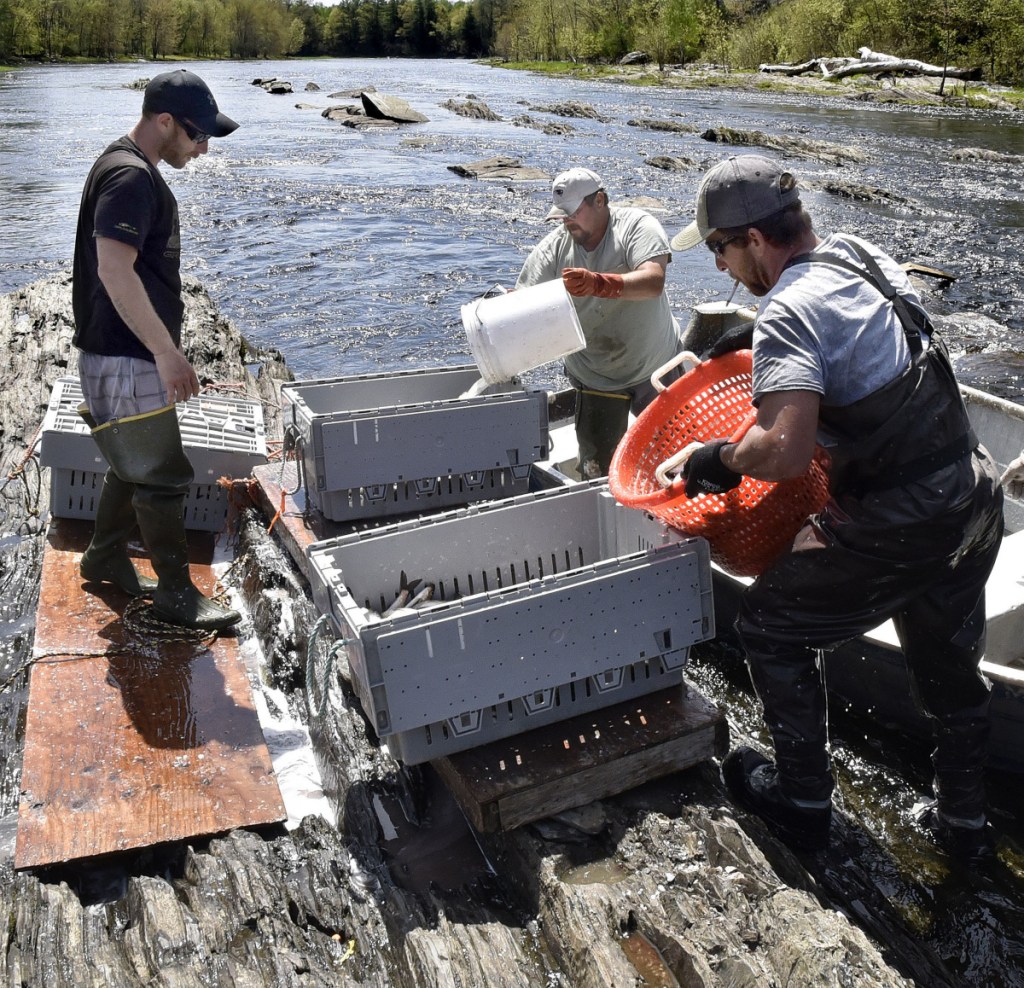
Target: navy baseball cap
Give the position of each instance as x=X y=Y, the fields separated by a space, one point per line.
x=185 y=96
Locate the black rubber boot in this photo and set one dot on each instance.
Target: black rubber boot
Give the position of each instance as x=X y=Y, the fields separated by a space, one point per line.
x=145 y=451
x=967 y=840
x=956 y=819
x=754 y=783
x=107 y=560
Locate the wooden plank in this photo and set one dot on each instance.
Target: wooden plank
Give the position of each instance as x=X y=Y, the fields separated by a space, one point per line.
x=530 y=776
x=129 y=741
x=297 y=524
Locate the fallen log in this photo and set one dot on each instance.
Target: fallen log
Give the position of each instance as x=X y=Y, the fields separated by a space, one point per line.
x=907 y=66
x=812 y=65
x=870 y=62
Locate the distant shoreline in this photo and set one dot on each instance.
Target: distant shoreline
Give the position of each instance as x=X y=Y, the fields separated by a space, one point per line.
x=909 y=90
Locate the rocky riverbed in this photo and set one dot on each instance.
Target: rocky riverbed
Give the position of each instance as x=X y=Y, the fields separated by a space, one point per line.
x=663 y=885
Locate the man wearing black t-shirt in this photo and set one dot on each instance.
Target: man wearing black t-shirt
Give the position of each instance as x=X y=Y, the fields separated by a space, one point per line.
x=128 y=312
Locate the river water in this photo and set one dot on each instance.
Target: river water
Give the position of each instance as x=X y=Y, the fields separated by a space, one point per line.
x=353 y=252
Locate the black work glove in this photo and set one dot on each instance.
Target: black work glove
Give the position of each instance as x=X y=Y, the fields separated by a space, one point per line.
x=705 y=473
x=738 y=338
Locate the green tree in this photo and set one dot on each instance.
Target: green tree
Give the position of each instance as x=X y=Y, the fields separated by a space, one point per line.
x=162 y=27
x=296 y=37
x=19 y=28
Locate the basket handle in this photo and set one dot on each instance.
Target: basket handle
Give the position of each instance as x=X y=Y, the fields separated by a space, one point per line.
x=672 y=365
x=673 y=463
x=677 y=460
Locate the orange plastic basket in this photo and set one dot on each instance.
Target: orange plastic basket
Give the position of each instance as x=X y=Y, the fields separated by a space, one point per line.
x=748 y=527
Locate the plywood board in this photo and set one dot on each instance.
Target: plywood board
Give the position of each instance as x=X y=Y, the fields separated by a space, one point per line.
x=129 y=741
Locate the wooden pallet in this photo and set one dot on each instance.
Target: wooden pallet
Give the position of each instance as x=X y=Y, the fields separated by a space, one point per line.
x=529 y=776
x=129 y=741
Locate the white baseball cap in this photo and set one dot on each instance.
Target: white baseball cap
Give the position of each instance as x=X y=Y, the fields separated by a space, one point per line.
x=570 y=189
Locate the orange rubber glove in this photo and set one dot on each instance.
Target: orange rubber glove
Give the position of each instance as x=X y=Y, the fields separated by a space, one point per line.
x=581 y=282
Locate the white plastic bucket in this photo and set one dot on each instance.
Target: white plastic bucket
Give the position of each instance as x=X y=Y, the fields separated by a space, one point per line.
x=520 y=330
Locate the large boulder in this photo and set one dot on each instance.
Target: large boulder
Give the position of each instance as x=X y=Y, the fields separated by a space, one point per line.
x=390 y=108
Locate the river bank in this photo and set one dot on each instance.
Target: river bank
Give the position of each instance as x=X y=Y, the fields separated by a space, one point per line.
x=907 y=90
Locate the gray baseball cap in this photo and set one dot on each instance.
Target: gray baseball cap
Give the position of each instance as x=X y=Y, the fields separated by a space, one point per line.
x=737 y=192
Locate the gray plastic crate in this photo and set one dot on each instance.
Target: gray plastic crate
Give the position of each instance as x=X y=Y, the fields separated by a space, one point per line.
x=546 y=605
x=223 y=437
x=378 y=445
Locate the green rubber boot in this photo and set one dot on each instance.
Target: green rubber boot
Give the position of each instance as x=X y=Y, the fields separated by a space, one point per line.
x=107 y=560
x=146 y=452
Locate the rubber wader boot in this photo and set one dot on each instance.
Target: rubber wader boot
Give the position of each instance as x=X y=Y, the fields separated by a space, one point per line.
x=957 y=817
x=146 y=451
x=756 y=785
x=106 y=560
x=793 y=795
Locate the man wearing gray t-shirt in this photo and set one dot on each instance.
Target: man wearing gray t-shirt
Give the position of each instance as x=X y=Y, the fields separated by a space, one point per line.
x=612 y=260
x=844 y=356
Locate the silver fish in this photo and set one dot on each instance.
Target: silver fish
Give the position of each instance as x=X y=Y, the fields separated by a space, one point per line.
x=406 y=589
x=422 y=596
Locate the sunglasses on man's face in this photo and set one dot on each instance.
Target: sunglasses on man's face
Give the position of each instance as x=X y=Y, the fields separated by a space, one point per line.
x=717 y=247
x=193 y=133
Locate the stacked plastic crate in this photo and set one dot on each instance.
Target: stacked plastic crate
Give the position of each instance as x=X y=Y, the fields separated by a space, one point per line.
x=223 y=437
x=382 y=445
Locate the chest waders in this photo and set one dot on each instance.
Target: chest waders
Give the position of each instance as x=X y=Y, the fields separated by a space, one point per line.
x=850 y=569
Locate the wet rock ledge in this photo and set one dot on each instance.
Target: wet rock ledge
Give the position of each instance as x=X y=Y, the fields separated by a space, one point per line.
x=660 y=886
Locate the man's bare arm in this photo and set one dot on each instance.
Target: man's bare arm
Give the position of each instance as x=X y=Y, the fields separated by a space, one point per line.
x=116 y=266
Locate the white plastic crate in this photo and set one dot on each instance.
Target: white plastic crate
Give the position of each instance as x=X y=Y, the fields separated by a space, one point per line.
x=379 y=445
x=222 y=436
x=546 y=605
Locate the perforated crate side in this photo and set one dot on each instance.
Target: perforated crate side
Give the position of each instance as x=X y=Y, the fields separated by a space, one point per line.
x=222 y=435
x=471 y=729
x=450 y=438
x=423 y=495
x=76 y=493
x=514 y=642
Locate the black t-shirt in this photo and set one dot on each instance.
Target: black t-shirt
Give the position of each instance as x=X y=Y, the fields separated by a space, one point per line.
x=126 y=199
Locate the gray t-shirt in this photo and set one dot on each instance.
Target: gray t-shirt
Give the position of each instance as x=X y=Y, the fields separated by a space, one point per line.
x=825 y=329
x=626 y=340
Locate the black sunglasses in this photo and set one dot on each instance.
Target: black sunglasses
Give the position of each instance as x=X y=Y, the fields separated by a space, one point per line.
x=193 y=133
x=717 y=247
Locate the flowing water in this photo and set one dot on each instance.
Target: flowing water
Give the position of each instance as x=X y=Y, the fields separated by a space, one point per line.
x=353 y=252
